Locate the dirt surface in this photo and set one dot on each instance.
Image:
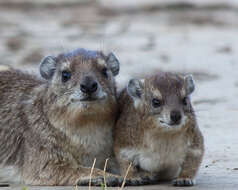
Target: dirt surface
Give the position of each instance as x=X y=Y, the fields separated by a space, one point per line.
x=203 y=42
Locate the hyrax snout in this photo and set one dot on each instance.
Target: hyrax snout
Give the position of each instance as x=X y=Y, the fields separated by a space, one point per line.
x=157 y=130
x=52 y=128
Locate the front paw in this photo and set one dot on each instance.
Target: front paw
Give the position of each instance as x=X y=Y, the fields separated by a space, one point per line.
x=142 y=180
x=183 y=182
x=111 y=181
x=97 y=181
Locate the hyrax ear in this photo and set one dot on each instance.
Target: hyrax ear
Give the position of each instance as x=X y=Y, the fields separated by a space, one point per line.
x=189 y=84
x=113 y=63
x=135 y=88
x=47 y=67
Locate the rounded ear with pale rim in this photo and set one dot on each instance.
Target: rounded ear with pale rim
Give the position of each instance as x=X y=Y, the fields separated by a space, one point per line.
x=113 y=64
x=135 y=88
x=47 y=67
x=189 y=84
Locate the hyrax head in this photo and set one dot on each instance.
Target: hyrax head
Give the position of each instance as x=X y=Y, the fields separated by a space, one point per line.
x=80 y=80
x=164 y=98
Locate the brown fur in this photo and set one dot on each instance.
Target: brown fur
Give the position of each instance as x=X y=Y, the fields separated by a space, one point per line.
x=37 y=124
x=158 y=153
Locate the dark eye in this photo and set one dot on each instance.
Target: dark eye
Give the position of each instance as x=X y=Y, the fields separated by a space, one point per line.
x=104 y=72
x=66 y=75
x=156 y=103
x=185 y=101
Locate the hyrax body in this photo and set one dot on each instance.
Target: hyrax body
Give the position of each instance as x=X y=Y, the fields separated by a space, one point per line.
x=51 y=129
x=157 y=130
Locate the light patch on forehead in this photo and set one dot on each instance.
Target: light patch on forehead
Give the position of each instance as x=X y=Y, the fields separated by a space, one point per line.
x=156 y=92
x=102 y=62
x=66 y=64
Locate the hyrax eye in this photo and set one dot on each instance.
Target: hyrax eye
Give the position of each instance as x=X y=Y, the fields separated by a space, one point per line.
x=66 y=75
x=185 y=101
x=156 y=103
x=104 y=72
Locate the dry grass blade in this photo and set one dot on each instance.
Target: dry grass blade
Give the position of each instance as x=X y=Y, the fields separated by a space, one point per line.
x=76 y=187
x=91 y=173
x=105 y=168
x=124 y=180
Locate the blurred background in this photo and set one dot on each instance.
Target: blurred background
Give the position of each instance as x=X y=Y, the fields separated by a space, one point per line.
x=184 y=36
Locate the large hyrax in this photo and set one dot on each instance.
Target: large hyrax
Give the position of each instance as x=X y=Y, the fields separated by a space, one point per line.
x=157 y=131
x=52 y=128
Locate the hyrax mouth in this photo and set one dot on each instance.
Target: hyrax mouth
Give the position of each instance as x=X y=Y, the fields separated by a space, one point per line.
x=171 y=123
x=92 y=99
x=89 y=98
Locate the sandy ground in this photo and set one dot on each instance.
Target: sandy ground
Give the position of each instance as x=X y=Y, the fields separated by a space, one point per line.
x=203 y=42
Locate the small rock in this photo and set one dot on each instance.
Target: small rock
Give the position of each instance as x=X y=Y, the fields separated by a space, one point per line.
x=214 y=161
x=15 y=43
x=225 y=50
x=165 y=58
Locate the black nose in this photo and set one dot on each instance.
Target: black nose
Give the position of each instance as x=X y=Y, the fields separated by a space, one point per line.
x=175 y=116
x=88 y=85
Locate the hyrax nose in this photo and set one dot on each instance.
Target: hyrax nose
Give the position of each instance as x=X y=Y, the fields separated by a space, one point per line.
x=88 y=85
x=175 y=116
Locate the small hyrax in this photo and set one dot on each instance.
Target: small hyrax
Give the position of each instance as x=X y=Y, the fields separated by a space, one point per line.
x=157 y=130
x=52 y=128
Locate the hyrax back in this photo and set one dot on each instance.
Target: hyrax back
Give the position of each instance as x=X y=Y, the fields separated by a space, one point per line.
x=157 y=130
x=51 y=129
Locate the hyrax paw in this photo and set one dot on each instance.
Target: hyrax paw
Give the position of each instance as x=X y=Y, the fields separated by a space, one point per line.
x=135 y=182
x=94 y=181
x=118 y=181
x=145 y=180
x=115 y=181
x=183 y=182
x=111 y=181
